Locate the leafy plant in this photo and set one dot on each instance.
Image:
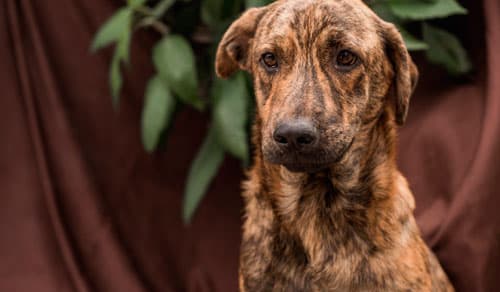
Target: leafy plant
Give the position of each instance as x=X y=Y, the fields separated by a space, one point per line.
x=441 y=47
x=184 y=57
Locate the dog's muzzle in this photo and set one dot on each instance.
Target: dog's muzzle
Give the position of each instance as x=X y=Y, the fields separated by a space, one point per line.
x=296 y=146
x=300 y=147
x=297 y=136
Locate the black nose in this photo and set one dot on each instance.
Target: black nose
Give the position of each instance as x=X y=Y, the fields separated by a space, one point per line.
x=298 y=134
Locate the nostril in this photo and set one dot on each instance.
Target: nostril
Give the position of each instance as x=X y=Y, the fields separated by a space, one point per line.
x=305 y=139
x=295 y=134
x=280 y=139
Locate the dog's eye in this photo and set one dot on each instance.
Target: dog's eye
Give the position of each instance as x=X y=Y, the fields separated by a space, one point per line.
x=346 y=58
x=270 y=61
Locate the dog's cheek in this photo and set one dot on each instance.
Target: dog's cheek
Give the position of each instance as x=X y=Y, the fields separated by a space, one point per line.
x=380 y=78
x=338 y=139
x=267 y=117
x=263 y=88
x=269 y=149
x=358 y=85
x=353 y=96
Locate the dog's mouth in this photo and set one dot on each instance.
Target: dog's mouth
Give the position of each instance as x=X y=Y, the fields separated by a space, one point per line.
x=295 y=162
x=306 y=167
x=307 y=162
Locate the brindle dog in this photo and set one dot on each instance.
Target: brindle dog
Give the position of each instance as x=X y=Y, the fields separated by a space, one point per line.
x=326 y=207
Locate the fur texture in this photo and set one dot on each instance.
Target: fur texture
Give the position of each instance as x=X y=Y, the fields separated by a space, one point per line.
x=340 y=216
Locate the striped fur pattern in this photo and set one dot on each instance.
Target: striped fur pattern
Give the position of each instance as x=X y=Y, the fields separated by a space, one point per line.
x=339 y=218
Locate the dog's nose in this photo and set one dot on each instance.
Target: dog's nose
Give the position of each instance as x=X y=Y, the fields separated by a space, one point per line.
x=298 y=134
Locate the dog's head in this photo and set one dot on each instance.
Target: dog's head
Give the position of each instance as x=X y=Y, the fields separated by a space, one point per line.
x=322 y=69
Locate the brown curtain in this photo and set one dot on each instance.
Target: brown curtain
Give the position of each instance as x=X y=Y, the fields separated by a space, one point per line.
x=84 y=208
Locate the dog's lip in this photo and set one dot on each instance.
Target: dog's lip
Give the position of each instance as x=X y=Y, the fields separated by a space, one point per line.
x=306 y=164
x=298 y=164
x=306 y=167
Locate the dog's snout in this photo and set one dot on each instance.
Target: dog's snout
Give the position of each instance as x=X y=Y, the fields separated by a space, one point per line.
x=297 y=134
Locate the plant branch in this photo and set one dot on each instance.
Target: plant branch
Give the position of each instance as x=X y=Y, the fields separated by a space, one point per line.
x=144 y=10
x=155 y=24
x=162 y=7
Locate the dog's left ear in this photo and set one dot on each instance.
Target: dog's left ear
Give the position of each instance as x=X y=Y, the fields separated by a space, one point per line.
x=406 y=73
x=232 y=53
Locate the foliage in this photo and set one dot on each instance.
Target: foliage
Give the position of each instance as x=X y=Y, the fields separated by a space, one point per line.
x=422 y=9
x=202 y=171
x=441 y=47
x=159 y=105
x=184 y=57
x=178 y=70
x=445 y=49
x=230 y=111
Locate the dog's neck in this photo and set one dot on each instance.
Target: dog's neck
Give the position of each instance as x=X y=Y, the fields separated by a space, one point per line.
x=341 y=206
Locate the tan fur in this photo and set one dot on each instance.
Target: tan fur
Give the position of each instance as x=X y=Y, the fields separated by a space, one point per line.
x=339 y=218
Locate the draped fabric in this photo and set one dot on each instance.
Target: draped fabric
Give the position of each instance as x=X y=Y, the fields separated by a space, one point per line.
x=84 y=208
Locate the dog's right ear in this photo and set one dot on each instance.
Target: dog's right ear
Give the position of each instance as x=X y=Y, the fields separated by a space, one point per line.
x=406 y=73
x=232 y=53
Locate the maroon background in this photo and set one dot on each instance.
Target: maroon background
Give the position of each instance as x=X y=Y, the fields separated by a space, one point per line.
x=84 y=208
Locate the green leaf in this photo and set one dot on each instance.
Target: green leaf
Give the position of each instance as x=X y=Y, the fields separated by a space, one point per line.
x=115 y=79
x=230 y=114
x=123 y=45
x=121 y=54
x=135 y=3
x=383 y=10
x=412 y=43
x=230 y=9
x=211 y=12
x=215 y=13
x=113 y=29
x=203 y=170
x=420 y=9
x=159 y=104
x=446 y=50
x=162 y=7
x=116 y=29
x=256 y=3
x=175 y=62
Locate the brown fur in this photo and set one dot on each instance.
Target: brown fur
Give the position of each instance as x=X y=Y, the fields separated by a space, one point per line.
x=338 y=218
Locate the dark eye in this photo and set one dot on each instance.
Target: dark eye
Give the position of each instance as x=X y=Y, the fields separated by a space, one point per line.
x=270 y=61
x=346 y=58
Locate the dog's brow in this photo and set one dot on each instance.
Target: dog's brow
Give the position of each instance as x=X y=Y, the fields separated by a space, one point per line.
x=273 y=41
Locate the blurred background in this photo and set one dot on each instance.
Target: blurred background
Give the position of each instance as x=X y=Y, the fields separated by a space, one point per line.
x=121 y=153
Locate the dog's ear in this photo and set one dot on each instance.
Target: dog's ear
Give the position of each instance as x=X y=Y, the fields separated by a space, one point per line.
x=232 y=53
x=406 y=73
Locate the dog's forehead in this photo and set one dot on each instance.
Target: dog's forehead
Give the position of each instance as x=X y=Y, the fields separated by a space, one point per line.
x=308 y=19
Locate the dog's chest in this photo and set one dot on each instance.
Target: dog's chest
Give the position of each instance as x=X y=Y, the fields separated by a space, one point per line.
x=289 y=268
x=303 y=243
x=273 y=260
x=321 y=243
